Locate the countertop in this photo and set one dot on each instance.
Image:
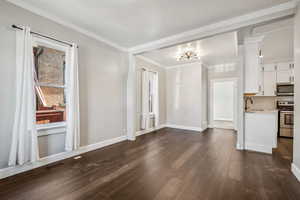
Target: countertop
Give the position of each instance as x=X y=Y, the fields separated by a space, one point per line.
x=262 y=111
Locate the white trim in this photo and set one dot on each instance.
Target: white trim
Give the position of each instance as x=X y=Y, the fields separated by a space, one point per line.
x=240 y=102
x=282 y=10
x=142 y=132
x=131 y=97
x=58 y=20
x=204 y=125
x=220 y=126
x=51 y=126
x=184 y=65
x=239 y=147
x=10 y=171
x=52 y=131
x=150 y=61
x=258 y=148
x=190 y=128
x=296 y=171
x=224 y=119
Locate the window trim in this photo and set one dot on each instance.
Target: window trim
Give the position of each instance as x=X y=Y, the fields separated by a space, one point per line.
x=42 y=128
x=51 y=128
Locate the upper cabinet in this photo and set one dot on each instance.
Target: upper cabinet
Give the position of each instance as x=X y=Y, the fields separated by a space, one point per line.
x=262 y=79
x=252 y=64
x=275 y=73
x=284 y=76
x=285 y=72
x=269 y=83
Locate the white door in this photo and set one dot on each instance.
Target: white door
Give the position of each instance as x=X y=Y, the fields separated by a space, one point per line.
x=269 y=83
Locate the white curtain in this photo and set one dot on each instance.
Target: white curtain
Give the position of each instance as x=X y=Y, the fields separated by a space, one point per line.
x=24 y=146
x=156 y=98
x=148 y=78
x=73 y=123
x=145 y=100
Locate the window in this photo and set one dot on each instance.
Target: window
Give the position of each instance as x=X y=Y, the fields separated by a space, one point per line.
x=50 y=64
x=152 y=92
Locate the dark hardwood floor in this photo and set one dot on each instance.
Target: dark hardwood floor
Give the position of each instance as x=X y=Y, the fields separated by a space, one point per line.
x=168 y=164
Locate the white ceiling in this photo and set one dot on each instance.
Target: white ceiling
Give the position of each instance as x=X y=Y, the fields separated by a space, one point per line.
x=133 y=22
x=213 y=50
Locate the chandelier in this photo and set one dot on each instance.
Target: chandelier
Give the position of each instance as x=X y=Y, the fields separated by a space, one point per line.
x=189 y=53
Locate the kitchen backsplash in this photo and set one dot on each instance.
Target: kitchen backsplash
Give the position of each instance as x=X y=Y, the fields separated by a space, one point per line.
x=266 y=103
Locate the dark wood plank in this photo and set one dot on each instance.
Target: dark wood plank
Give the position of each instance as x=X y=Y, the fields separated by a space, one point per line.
x=166 y=164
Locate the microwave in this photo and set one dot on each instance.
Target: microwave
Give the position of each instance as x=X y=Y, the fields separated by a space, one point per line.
x=285 y=89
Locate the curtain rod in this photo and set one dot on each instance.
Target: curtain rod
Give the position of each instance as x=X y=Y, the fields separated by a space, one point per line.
x=45 y=36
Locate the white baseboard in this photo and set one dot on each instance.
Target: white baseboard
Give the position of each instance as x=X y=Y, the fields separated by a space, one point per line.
x=220 y=126
x=10 y=171
x=258 y=148
x=190 y=128
x=239 y=146
x=142 y=132
x=204 y=126
x=296 y=171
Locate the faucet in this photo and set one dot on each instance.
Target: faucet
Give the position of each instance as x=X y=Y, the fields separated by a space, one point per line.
x=246 y=102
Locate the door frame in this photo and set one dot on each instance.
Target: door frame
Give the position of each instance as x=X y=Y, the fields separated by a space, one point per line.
x=235 y=100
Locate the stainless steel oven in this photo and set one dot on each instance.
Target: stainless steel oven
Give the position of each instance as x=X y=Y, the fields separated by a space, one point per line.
x=286 y=118
x=285 y=89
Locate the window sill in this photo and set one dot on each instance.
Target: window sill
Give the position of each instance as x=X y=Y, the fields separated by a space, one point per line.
x=51 y=129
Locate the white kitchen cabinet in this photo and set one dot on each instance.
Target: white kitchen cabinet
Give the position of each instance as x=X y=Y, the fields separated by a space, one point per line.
x=275 y=73
x=261 y=131
x=269 y=80
x=284 y=76
x=269 y=67
x=285 y=72
x=252 y=64
x=284 y=66
x=292 y=74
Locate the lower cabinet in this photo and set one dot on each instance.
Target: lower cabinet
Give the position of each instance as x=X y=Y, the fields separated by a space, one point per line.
x=261 y=131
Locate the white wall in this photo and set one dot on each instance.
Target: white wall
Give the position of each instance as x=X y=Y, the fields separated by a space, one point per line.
x=184 y=95
x=204 y=93
x=278 y=42
x=140 y=63
x=296 y=149
x=102 y=79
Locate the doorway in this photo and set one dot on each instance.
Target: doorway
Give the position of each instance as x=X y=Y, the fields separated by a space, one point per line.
x=223 y=103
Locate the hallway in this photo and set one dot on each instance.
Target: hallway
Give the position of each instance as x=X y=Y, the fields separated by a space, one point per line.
x=167 y=164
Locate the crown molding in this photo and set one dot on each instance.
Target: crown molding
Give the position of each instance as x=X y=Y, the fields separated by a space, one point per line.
x=43 y=13
x=185 y=65
x=275 y=12
x=150 y=61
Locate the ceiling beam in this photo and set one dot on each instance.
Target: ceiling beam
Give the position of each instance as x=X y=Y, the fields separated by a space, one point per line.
x=142 y=57
x=275 y=12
